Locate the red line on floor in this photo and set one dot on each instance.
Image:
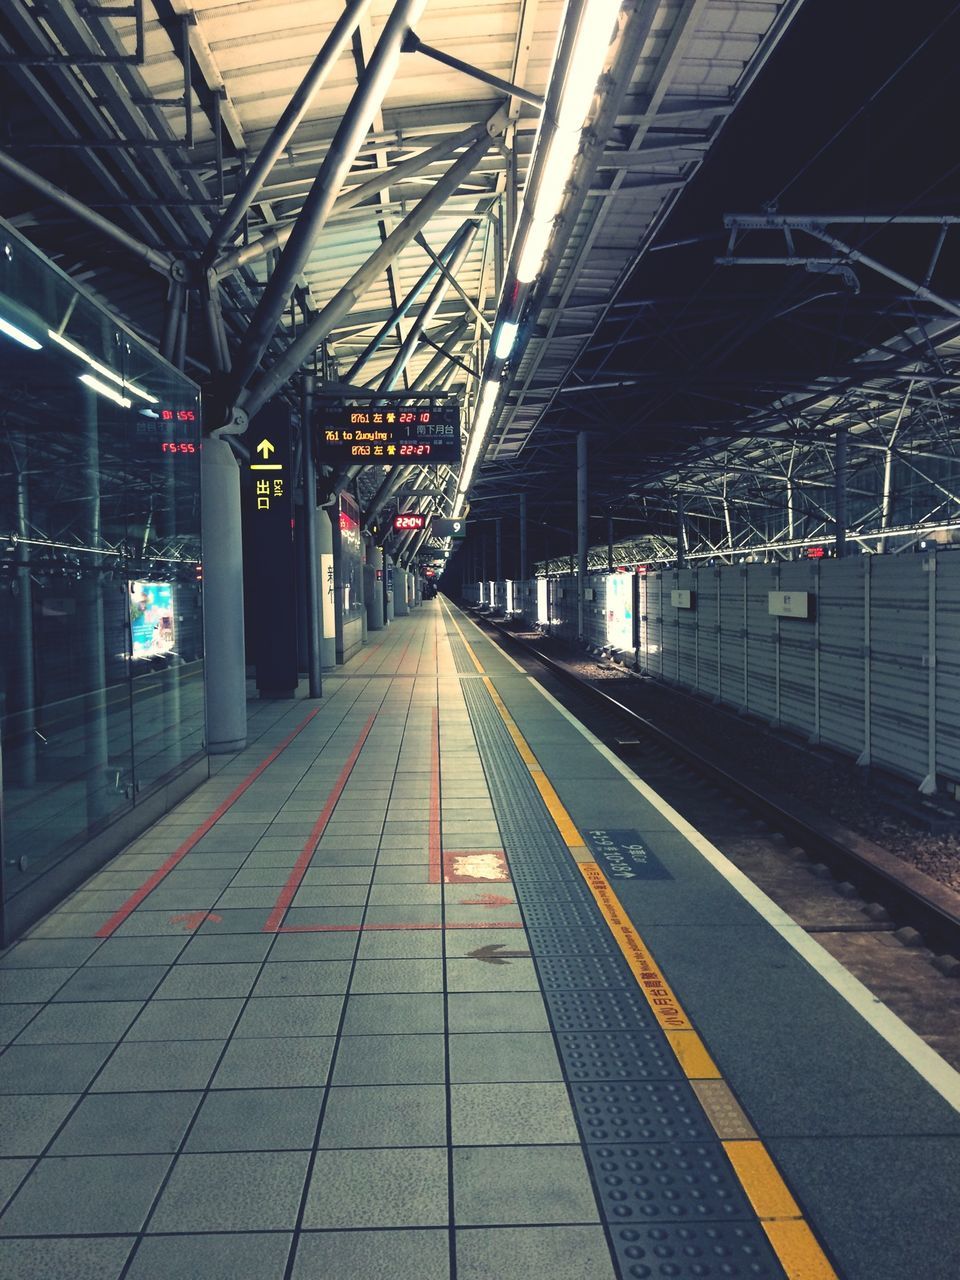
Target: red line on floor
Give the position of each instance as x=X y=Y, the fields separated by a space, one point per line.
x=286 y=894
x=138 y=895
x=435 y=857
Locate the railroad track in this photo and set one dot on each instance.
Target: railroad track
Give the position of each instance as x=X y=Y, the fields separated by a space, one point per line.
x=895 y=897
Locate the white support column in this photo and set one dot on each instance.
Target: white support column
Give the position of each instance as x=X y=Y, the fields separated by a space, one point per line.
x=929 y=785
x=817 y=578
x=777 y=638
x=719 y=694
x=746 y=642
x=373 y=587
x=864 y=756
x=582 y=533
x=225 y=658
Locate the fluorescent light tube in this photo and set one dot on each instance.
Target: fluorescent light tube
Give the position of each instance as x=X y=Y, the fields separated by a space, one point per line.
x=100 y=368
x=505 y=339
x=18 y=335
x=534 y=247
x=104 y=390
x=586 y=62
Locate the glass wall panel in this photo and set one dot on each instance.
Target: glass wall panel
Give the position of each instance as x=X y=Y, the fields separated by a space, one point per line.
x=101 y=664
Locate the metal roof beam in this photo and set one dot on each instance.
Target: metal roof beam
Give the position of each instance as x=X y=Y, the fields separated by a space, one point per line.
x=346 y=298
x=285 y=127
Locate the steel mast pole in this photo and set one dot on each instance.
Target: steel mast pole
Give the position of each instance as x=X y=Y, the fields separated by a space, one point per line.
x=314 y=639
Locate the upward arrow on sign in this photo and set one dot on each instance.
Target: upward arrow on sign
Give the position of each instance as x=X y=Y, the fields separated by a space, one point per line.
x=265 y=448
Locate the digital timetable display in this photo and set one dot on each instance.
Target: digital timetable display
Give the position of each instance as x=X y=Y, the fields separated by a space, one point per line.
x=169 y=431
x=405 y=521
x=389 y=434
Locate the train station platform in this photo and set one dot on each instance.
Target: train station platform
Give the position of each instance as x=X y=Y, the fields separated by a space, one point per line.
x=425 y=982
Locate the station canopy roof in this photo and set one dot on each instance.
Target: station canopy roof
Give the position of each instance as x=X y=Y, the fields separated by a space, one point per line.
x=153 y=114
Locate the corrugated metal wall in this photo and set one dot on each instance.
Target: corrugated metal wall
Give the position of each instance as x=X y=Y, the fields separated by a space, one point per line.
x=874 y=671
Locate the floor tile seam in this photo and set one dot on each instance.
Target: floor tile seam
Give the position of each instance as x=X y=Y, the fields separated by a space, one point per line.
x=436 y=789
x=84 y=1093
x=369 y=725
x=331 y=1068
x=204 y=1095
x=249 y=781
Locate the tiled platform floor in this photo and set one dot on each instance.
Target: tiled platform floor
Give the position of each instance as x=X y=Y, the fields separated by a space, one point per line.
x=296 y=1031
x=354 y=1094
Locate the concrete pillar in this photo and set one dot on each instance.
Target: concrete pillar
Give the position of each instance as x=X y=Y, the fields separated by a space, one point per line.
x=400 y=606
x=21 y=677
x=311 y=567
x=681 y=535
x=92 y=637
x=389 y=588
x=840 y=491
x=498 y=533
x=373 y=587
x=224 y=657
x=524 y=566
x=328 y=620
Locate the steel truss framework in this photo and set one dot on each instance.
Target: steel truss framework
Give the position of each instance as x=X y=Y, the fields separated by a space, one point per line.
x=260 y=216
x=708 y=455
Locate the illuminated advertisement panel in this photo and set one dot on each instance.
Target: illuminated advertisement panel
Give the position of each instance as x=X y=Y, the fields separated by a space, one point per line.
x=152 y=630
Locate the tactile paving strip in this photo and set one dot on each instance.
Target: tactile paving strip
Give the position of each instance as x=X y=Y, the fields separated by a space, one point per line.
x=617 y=1055
x=543 y=908
x=653 y=1152
x=676 y=1181
x=696 y=1251
x=582 y=973
x=461 y=658
x=548 y=941
x=597 y=1010
x=641 y=1111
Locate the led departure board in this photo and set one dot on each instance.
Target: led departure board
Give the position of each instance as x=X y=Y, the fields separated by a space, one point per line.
x=389 y=434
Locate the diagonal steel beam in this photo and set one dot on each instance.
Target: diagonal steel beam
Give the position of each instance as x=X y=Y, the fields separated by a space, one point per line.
x=277 y=237
x=346 y=298
x=161 y=262
x=319 y=203
x=410 y=343
x=285 y=127
x=402 y=310
x=447 y=271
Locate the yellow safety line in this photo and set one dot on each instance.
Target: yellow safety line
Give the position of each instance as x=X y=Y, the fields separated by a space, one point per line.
x=794 y=1243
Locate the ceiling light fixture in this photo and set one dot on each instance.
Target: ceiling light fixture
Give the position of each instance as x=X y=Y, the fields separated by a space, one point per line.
x=18 y=335
x=104 y=390
x=100 y=368
x=506 y=336
x=555 y=157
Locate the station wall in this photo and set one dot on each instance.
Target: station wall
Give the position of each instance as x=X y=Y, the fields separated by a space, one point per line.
x=873 y=669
